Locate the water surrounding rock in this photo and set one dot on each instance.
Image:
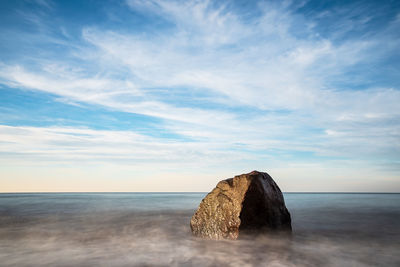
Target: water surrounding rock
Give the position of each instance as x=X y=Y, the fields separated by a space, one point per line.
x=249 y=202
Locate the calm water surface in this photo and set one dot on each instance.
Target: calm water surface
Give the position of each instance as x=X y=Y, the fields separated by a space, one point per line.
x=152 y=229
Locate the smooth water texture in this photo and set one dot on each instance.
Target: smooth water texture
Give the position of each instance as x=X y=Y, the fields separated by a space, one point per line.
x=152 y=229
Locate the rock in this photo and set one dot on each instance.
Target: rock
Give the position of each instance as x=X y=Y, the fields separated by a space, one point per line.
x=246 y=203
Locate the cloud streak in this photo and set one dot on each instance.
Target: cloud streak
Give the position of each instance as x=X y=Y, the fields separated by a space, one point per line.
x=233 y=84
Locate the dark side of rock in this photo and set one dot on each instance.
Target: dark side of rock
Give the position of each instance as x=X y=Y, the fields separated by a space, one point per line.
x=249 y=202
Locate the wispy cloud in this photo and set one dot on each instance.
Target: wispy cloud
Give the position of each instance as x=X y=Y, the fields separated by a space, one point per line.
x=47 y=145
x=230 y=82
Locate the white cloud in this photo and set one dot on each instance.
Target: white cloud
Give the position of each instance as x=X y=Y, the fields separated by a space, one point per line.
x=254 y=86
x=80 y=149
x=60 y=157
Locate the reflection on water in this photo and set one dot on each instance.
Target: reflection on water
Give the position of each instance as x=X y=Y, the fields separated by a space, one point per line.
x=153 y=230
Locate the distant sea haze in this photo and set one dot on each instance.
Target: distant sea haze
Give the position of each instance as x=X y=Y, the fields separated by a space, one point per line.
x=152 y=229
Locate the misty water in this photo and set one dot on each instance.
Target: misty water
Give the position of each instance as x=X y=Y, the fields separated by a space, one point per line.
x=152 y=229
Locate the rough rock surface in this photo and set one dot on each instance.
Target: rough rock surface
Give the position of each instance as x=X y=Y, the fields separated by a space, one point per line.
x=247 y=202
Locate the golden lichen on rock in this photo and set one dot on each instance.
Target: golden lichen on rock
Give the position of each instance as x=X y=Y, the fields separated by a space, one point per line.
x=248 y=201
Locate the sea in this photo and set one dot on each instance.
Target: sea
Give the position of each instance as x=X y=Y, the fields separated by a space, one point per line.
x=152 y=229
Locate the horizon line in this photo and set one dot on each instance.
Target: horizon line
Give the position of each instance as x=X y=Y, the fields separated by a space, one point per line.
x=189 y=192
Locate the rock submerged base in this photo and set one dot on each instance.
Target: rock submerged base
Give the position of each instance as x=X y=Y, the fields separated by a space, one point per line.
x=249 y=202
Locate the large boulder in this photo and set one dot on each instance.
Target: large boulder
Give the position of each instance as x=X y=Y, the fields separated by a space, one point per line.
x=249 y=202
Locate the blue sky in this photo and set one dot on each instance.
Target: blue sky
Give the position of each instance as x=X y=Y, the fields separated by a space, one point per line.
x=176 y=95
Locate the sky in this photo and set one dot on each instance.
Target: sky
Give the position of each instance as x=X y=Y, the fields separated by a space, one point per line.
x=145 y=95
